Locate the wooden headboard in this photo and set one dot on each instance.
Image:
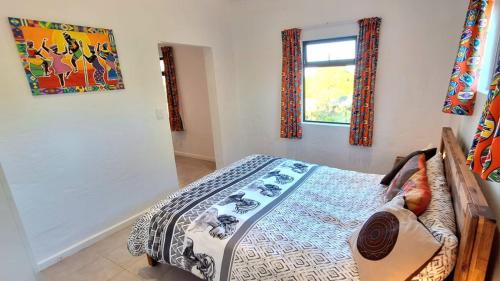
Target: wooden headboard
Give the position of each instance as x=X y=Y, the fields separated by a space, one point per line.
x=475 y=221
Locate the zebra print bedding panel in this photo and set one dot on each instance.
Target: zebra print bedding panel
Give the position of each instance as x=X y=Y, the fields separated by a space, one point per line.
x=267 y=218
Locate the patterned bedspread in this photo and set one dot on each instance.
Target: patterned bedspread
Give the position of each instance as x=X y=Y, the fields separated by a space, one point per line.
x=262 y=218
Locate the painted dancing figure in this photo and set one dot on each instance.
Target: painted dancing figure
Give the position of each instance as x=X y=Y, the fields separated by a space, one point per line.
x=110 y=59
x=74 y=50
x=61 y=69
x=39 y=65
x=93 y=59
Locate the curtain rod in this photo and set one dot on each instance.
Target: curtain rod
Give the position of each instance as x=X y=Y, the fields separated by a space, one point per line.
x=328 y=23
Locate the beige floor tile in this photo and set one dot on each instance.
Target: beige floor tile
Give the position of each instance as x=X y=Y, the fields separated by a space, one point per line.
x=43 y=276
x=126 y=276
x=61 y=270
x=99 y=270
x=121 y=256
x=142 y=269
x=175 y=274
x=189 y=169
x=112 y=242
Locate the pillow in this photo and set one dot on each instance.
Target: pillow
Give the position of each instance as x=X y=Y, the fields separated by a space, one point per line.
x=440 y=211
x=417 y=192
x=429 y=153
x=392 y=244
x=439 y=218
x=412 y=166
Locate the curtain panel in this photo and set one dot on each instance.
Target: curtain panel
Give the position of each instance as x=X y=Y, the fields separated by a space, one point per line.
x=291 y=84
x=174 y=115
x=462 y=90
x=361 y=131
x=484 y=155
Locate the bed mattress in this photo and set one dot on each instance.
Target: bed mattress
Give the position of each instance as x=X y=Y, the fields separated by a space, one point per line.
x=263 y=218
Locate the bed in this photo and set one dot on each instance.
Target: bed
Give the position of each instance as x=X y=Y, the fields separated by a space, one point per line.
x=270 y=218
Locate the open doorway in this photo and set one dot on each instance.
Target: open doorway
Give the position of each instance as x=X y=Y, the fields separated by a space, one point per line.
x=192 y=133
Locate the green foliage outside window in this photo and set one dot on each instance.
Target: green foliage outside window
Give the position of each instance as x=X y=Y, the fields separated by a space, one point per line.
x=328 y=93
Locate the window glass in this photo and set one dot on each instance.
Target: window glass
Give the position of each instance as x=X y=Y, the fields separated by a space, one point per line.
x=341 y=50
x=329 y=93
x=162 y=66
x=329 y=69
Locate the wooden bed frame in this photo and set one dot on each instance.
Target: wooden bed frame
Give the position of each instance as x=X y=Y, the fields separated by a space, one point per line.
x=475 y=222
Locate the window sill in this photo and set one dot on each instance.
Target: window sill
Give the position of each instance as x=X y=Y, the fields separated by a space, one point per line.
x=326 y=124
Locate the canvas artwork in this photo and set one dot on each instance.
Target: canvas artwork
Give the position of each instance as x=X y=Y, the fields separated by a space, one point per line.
x=62 y=58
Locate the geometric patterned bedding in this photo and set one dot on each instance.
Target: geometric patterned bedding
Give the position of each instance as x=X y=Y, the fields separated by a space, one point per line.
x=268 y=218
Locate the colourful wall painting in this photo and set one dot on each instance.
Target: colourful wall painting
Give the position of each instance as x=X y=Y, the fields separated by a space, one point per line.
x=62 y=58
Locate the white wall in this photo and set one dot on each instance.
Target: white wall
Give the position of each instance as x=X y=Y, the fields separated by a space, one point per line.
x=78 y=164
x=196 y=140
x=466 y=128
x=17 y=263
x=418 y=45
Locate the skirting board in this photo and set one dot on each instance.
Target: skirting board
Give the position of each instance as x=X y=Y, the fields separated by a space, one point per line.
x=195 y=156
x=73 y=249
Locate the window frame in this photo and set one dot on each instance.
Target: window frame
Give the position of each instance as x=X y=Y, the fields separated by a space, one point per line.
x=323 y=64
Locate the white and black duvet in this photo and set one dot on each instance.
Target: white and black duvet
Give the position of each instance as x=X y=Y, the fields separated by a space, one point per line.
x=264 y=218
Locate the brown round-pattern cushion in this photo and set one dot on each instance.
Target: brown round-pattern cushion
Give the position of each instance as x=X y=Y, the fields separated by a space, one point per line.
x=378 y=236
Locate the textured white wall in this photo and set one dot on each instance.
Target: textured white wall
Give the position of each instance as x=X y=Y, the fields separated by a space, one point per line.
x=418 y=45
x=16 y=257
x=78 y=164
x=196 y=140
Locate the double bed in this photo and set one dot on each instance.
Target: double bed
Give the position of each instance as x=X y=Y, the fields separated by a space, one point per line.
x=270 y=218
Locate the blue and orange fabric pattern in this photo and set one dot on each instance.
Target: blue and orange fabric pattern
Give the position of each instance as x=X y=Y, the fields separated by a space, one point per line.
x=291 y=84
x=174 y=115
x=461 y=95
x=361 y=131
x=484 y=155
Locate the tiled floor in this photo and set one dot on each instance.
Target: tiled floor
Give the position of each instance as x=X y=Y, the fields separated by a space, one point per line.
x=109 y=259
x=189 y=169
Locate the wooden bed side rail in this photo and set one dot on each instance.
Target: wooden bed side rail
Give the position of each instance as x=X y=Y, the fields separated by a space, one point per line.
x=475 y=221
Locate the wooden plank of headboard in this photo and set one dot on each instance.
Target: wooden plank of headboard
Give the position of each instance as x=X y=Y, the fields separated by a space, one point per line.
x=475 y=221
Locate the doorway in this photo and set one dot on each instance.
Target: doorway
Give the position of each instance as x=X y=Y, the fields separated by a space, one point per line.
x=192 y=140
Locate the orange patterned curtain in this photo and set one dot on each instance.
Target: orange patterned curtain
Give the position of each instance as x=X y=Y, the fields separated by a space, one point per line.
x=361 y=131
x=484 y=155
x=291 y=84
x=464 y=78
x=174 y=115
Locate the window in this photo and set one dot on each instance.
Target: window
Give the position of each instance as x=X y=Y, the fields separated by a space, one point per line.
x=490 y=59
x=162 y=68
x=329 y=79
